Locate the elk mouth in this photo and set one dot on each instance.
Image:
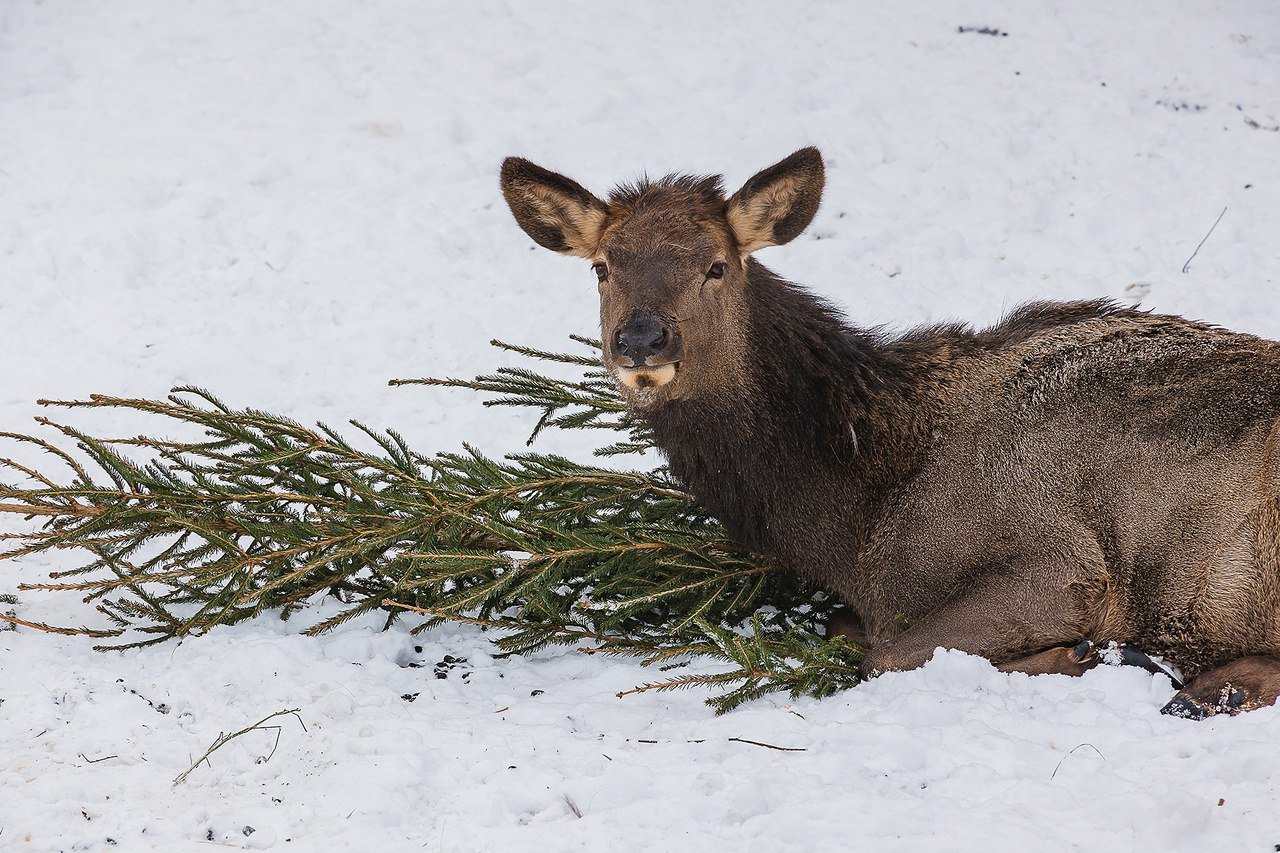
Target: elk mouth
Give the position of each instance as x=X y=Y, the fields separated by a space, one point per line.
x=648 y=376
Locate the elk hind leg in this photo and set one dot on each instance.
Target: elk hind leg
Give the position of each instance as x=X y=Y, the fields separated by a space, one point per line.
x=1241 y=685
x=1079 y=659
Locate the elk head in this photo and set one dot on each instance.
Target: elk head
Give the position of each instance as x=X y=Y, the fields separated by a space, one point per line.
x=671 y=259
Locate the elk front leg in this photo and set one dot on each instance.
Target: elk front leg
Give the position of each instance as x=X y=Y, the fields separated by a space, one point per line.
x=846 y=623
x=1060 y=660
x=1002 y=618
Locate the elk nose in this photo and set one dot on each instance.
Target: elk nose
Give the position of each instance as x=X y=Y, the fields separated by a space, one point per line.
x=641 y=337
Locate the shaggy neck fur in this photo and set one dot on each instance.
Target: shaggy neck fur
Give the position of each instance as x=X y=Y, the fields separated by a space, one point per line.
x=822 y=414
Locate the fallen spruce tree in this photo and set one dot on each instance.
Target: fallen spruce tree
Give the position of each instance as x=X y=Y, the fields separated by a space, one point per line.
x=263 y=514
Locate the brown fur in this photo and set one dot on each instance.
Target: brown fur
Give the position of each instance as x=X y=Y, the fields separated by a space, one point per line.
x=1080 y=471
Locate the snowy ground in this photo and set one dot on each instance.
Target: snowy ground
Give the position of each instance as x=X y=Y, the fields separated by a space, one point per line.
x=293 y=202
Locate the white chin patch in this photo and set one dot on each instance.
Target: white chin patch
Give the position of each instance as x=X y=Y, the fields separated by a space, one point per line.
x=640 y=378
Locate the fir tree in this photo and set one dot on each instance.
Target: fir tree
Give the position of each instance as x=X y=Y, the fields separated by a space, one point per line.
x=265 y=514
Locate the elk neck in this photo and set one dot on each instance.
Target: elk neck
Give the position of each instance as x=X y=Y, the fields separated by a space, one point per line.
x=821 y=411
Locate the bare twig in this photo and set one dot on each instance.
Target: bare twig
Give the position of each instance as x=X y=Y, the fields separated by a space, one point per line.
x=74 y=511
x=768 y=745
x=734 y=740
x=1187 y=265
x=1068 y=755
x=573 y=807
x=224 y=739
x=52 y=629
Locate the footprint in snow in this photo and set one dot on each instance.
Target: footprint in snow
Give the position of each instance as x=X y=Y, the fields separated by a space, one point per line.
x=1137 y=291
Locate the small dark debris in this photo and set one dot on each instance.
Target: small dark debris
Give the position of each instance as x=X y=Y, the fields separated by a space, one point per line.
x=536 y=692
x=1103 y=84
x=408 y=697
x=208 y=836
x=162 y=708
x=112 y=842
x=248 y=830
x=1181 y=106
x=983 y=31
x=513 y=767
x=418 y=649
x=86 y=814
x=448 y=663
x=277 y=800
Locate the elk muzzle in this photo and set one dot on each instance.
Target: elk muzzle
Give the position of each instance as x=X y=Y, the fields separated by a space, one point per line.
x=647 y=350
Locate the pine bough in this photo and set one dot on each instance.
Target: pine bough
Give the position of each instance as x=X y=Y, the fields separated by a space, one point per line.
x=265 y=515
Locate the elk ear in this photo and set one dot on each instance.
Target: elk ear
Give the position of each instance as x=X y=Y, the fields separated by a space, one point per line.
x=778 y=203
x=555 y=211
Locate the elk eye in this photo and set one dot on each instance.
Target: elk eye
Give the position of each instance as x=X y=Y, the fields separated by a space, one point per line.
x=602 y=270
x=717 y=270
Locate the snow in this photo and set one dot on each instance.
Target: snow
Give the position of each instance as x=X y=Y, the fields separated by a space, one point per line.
x=291 y=203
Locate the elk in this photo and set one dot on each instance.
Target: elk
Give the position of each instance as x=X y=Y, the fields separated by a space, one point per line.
x=1080 y=474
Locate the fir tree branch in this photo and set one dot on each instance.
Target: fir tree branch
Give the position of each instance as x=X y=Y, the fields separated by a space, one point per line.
x=265 y=514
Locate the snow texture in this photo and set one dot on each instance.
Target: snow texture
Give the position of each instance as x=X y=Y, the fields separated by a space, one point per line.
x=292 y=202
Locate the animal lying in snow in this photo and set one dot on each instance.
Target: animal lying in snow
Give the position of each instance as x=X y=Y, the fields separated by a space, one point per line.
x=1081 y=471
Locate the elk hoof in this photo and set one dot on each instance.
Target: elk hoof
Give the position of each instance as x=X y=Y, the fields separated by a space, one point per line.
x=1181 y=706
x=1229 y=701
x=1119 y=654
x=1242 y=685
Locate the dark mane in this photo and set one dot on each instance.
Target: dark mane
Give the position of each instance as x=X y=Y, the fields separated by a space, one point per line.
x=708 y=189
x=1029 y=320
x=844 y=393
x=1021 y=324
